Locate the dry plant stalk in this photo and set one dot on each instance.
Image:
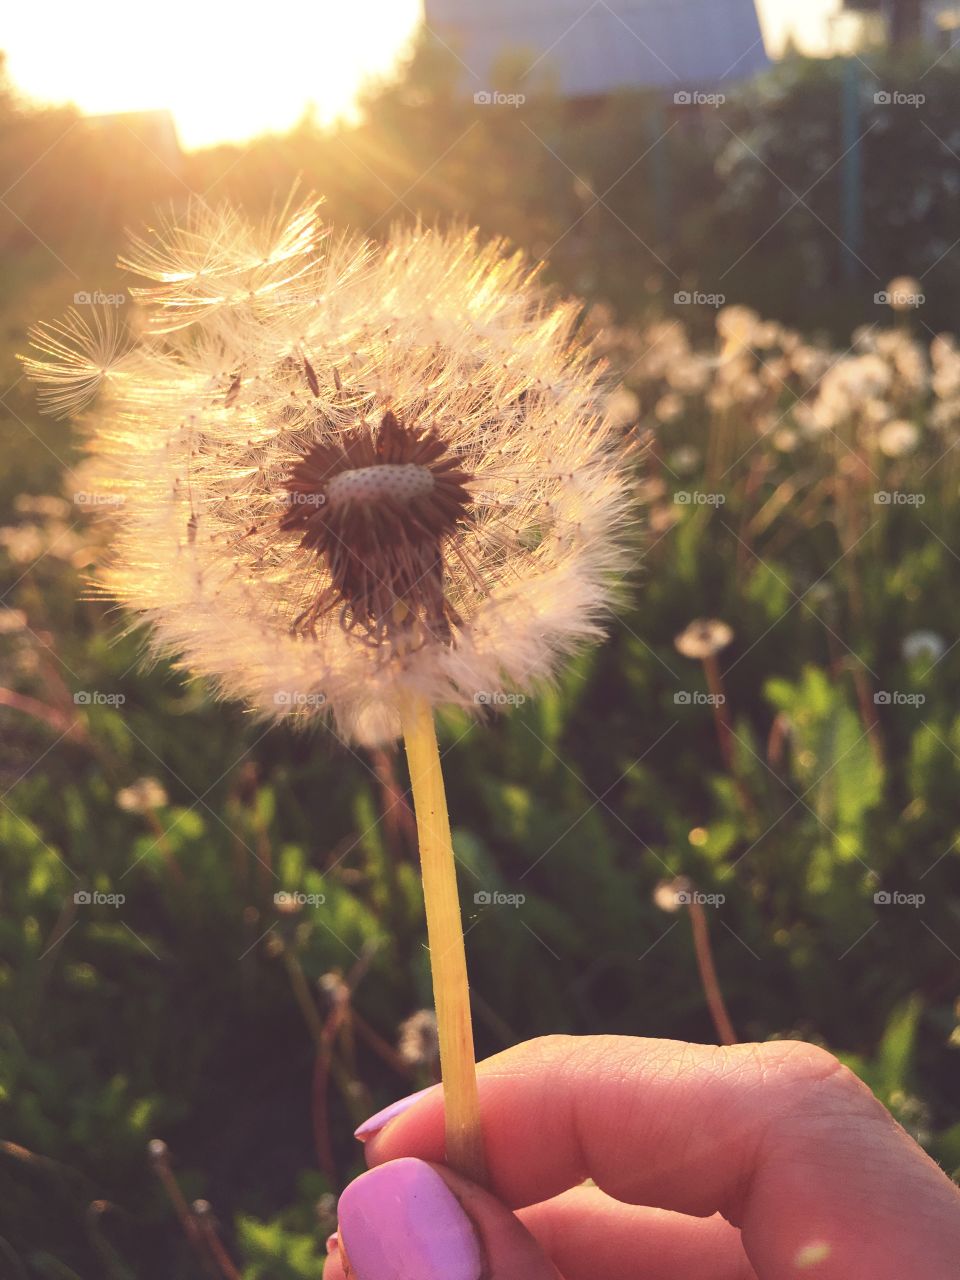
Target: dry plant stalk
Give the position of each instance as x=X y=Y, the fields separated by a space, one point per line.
x=448 y=960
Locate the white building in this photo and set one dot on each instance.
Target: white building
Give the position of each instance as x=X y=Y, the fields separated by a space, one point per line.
x=588 y=48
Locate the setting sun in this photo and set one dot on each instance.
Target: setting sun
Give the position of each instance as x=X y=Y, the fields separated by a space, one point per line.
x=225 y=73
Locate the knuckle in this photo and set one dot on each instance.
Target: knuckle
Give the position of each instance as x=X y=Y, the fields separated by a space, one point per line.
x=806 y=1071
x=536 y=1055
x=800 y=1060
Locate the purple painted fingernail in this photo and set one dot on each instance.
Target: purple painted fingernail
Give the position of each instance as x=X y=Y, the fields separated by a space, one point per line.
x=401 y=1220
x=377 y=1122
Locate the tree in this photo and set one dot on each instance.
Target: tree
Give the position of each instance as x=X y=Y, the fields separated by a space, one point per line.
x=904 y=17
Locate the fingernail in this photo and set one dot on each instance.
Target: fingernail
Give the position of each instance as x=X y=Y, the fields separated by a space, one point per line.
x=401 y=1220
x=377 y=1122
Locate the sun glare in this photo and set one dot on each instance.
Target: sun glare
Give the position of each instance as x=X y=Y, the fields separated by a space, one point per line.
x=226 y=72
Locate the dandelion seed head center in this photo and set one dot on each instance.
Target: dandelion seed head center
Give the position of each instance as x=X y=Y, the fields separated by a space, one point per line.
x=400 y=482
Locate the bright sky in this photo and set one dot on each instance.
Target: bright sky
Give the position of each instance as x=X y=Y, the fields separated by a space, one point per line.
x=806 y=20
x=226 y=70
x=230 y=71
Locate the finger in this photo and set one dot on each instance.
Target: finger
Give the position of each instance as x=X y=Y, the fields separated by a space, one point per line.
x=333 y=1268
x=409 y=1218
x=587 y=1234
x=779 y=1138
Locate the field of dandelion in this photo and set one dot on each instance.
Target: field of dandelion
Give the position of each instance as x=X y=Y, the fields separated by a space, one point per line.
x=739 y=815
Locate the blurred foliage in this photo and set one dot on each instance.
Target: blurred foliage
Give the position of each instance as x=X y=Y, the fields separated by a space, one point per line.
x=631 y=198
x=153 y=987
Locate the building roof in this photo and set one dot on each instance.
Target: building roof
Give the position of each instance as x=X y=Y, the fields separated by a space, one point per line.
x=590 y=47
x=154 y=130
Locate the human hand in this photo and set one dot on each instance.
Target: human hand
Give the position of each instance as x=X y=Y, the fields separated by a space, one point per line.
x=757 y=1162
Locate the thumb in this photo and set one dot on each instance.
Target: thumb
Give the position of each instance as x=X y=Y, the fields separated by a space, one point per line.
x=411 y=1218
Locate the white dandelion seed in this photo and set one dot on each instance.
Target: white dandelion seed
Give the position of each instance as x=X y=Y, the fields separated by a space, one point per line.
x=348 y=475
x=81 y=353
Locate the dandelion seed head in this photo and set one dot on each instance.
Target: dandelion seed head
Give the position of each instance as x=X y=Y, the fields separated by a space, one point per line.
x=737 y=327
x=685 y=460
x=903 y=293
x=923 y=644
x=898 y=438
x=142 y=796
x=669 y=407
x=703 y=638
x=12 y=621
x=785 y=440
x=670 y=895
x=345 y=474
x=418 y=1043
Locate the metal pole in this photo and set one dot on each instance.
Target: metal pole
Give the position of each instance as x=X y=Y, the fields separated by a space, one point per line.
x=852 y=168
